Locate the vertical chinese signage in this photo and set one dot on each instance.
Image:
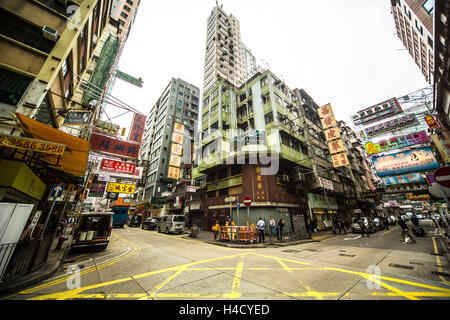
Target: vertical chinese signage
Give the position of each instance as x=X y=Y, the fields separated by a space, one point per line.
x=333 y=136
x=431 y=122
x=137 y=128
x=260 y=185
x=176 y=151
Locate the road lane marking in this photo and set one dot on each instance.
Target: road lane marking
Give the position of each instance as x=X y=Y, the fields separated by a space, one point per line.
x=438 y=261
x=353 y=238
x=236 y=286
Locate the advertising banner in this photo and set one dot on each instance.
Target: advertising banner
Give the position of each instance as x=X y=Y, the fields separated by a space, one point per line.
x=137 y=128
x=431 y=122
x=327 y=184
x=377 y=112
x=443 y=146
x=328 y=122
x=106 y=127
x=397 y=142
x=31 y=144
x=120 y=187
x=336 y=146
x=368 y=194
x=325 y=111
x=403 y=179
x=332 y=134
x=117 y=166
x=173 y=173
x=404 y=162
x=393 y=124
x=97 y=189
x=340 y=160
x=114 y=146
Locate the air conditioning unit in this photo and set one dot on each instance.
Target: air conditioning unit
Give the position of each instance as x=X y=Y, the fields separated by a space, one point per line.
x=50 y=33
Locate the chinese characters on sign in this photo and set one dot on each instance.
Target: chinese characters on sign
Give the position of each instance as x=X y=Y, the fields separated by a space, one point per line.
x=120 y=188
x=107 y=127
x=336 y=146
x=117 y=166
x=403 y=179
x=443 y=145
x=377 y=112
x=97 y=189
x=176 y=151
x=396 y=142
x=260 y=183
x=325 y=111
x=114 y=146
x=31 y=144
x=431 y=121
x=137 y=128
x=368 y=194
x=404 y=162
x=328 y=122
x=340 y=160
x=391 y=125
x=333 y=133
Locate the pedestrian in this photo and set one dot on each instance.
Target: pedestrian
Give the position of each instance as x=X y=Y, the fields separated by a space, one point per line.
x=415 y=221
x=272 y=225
x=341 y=226
x=308 y=227
x=216 y=229
x=261 y=225
x=280 y=229
x=405 y=231
x=386 y=222
x=362 y=226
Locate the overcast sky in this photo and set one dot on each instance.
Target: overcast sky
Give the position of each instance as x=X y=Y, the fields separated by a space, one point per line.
x=341 y=52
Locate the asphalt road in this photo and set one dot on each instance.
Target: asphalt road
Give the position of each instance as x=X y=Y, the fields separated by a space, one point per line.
x=146 y=265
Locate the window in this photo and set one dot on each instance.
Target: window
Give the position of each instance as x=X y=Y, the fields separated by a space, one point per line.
x=126 y=8
x=123 y=14
x=269 y=117
x=428 y=6
x=430 y=42
x=130 y=2
x=122 y=23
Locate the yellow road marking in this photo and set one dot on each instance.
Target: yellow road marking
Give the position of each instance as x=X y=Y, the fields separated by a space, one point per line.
x=418 y=294
x=438 y=261
x=313 y=293
x=236 y=286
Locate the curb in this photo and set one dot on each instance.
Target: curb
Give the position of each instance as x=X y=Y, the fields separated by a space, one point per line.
x=9 y=288
x=258 y=245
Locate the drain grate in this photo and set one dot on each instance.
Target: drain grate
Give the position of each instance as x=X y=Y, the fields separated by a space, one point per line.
x=313 y=250
x=400 y=266
x=440 y=273
x=346 y=255
x=416 y=263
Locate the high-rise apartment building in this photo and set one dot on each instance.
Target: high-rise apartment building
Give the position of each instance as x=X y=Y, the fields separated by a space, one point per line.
x=250 y=64
x=178 y=104
x=414 y=24
x=124 y=11
x=224 y=54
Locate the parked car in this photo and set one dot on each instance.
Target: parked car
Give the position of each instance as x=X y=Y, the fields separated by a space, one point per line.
x=420 y=216
x=93 y=230
x=150 y=224
x=368 y=222
x=172 y=223
x=378 y=223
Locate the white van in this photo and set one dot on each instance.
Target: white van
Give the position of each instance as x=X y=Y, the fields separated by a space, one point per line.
x=93 y=230
x=172 y=223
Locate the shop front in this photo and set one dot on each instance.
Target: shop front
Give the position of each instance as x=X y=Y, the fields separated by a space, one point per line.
x=323 y=210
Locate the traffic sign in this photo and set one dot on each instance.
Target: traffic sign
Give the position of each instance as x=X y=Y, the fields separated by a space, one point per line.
x=57 y=190
x=247 y=201
x=442 y=176
x=230 y=199
x=238 y=205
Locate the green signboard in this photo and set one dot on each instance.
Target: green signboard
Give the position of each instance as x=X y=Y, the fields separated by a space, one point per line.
x=128 y=78
x=158 y=200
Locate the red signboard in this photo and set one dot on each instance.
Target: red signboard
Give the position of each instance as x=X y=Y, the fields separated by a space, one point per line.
x=117 y=166
x=114 y=146
x=137 y=128
x=431 y=121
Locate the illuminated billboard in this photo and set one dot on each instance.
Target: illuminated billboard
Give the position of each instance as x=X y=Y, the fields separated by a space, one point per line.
x=377 y=112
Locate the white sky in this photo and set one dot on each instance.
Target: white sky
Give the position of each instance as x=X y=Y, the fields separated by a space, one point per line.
x=341 y=52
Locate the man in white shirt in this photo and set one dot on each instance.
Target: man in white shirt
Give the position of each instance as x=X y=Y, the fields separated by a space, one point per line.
x=261 y=224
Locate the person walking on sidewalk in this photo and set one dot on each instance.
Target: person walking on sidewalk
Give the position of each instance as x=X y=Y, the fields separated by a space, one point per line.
x=362 y=226
x=261 y=225
x=272 y=225
x=405 y=231
x=216 y=229
x=280 y=229
x=308 y=227
x=341 y=226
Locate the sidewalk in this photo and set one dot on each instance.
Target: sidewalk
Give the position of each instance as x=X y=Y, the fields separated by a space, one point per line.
x=54 y=260
x=208 y=237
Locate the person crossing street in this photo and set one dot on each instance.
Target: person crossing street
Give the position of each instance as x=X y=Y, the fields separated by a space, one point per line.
x=405 y=231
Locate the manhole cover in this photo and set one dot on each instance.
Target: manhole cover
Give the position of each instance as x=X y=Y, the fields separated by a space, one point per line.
x=346 y=255
x=400 y=266
x=440 y=273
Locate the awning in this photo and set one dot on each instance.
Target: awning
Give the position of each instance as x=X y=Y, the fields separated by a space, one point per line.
x=75 y=158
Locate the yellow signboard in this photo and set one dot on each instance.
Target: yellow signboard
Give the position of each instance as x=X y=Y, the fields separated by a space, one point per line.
x=31 y=144
x=325 y=111
x=332 y=134
x=174 y=173
x=177 y=149
x=175 y=160
x=120 y=188
x=340 y=160
x=177 y=138
x=336 y=146
x=178 y=127
x=328 y=122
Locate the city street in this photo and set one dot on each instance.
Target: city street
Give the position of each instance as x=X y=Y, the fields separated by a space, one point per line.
x=141 y=264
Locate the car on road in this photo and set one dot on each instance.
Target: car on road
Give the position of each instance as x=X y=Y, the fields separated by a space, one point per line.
x=150 y=224
x=420 y=216
x=93 y=230
x=368 y=222
x=378 y=223
x=172 y=224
